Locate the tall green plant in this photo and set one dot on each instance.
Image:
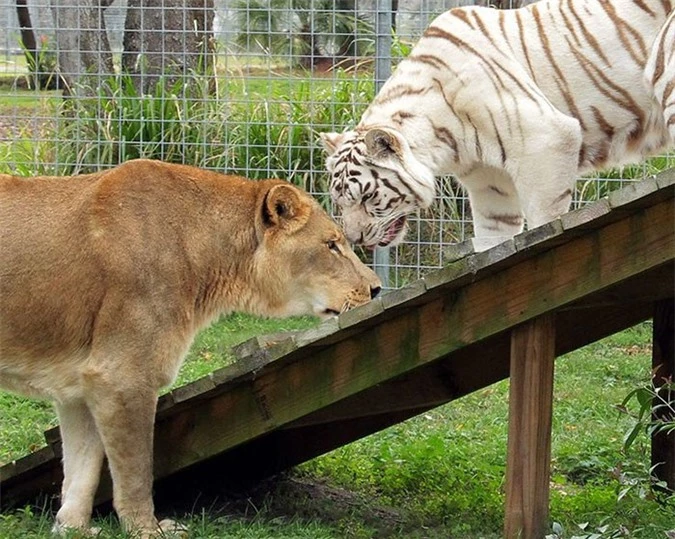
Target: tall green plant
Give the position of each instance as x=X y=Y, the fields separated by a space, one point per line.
x=655 y=411
x=273 y=132
x=118 y=124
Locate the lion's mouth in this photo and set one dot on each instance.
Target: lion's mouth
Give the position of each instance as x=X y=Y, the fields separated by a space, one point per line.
x=393 y=230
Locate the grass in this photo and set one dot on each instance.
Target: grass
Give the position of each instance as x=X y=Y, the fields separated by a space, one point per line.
x=440 y=474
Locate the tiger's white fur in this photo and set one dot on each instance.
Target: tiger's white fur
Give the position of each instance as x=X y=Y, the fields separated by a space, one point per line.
x=516 y=104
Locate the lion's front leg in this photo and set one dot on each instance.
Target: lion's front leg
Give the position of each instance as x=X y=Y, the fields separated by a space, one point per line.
x=82 y=460
x=124 y=411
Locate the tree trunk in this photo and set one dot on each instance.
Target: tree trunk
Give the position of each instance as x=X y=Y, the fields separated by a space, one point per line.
x=28 y=40
x=168 y=38
x=82 y=44
x=42 y=70
x=394 y=12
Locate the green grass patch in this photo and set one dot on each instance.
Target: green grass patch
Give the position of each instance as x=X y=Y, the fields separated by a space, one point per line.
x=440 y=474
x=212 y=347
x=254 y=126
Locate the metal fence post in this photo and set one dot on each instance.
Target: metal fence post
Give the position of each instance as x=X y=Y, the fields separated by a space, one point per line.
x=383 y=42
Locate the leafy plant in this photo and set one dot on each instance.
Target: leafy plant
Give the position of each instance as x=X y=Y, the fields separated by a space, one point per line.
x=600 y=184
x=655 y=414
x=655 y=410
x=42 y=64
x=118 y=124
x=586 y=531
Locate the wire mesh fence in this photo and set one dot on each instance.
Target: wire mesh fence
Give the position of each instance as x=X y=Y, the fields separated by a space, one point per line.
x=240 y=86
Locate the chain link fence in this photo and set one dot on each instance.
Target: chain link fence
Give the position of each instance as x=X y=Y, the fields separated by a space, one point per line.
x=240 y=86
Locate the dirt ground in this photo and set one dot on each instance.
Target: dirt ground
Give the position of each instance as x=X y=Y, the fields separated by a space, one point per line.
x=20 y=122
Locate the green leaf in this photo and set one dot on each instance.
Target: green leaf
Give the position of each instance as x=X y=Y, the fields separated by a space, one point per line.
x=631 y=435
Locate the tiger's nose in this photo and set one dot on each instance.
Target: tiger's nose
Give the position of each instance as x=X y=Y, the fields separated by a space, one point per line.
x=374 y=291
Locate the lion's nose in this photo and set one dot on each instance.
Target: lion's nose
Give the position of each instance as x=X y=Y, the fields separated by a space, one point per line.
x=374 y=291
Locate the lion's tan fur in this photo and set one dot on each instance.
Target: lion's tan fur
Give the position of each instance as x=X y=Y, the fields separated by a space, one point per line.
x=105 y=279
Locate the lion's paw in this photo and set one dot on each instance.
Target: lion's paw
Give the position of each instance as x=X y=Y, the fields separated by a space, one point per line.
x=172 y=529
x=61 y=530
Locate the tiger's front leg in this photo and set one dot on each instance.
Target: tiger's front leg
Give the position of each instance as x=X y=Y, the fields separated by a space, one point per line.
x=535 y=183
x=546 y=171
x=495 y=206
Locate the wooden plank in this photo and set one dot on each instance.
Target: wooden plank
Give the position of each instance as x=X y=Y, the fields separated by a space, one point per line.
x=451 y=377
x=632 y=193
x=361 y=314
x=26 y=478
x=647 y=288
x=193 y=389
x=529 y=440
x=273 y=345
x=543 y=237
x=419 y=336
x=457 y=251
x=583 y=218
x=663 y=368
x=386 y=404
x=319 y=335
x=494 y=259
x=165 y=402
x=453 y=275
x=402 y=298
x=32 y=460
x=53 y=436
x=455 y=375
x=666 y=179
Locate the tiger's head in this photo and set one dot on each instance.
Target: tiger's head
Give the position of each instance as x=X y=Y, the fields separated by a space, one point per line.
x=376 y=182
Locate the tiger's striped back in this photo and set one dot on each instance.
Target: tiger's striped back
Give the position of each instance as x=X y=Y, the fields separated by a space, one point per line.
x=660 y=72
x=516 y=104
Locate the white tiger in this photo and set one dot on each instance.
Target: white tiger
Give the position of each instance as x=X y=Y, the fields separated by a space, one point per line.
x=516 y=104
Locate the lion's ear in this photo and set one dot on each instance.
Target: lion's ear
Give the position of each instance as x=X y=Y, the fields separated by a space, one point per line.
x=331 y=141
x=383 y=143
x=284 y=208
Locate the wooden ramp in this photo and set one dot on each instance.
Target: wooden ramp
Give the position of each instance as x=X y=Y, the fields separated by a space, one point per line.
x=509 y=310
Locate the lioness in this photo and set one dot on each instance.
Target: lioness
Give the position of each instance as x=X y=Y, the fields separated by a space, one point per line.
x=106 y=278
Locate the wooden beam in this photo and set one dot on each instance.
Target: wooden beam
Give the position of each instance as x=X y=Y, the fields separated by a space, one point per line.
x=529 y=441
x=447 y=328
x=663 y=368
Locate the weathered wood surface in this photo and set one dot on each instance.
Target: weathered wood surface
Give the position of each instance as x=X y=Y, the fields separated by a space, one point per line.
x=290 y=399
x=528 y=455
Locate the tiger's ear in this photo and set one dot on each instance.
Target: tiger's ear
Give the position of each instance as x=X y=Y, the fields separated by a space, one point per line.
x=331 y=141
x=383 y=143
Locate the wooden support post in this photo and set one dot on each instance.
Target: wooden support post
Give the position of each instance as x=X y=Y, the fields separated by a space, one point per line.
x=663 y=367
x=529 y=440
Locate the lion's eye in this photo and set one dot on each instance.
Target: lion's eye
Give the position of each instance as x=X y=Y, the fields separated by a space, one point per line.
x=333 y=246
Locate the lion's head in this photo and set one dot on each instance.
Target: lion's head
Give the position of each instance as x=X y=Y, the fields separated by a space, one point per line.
x=304 y=257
